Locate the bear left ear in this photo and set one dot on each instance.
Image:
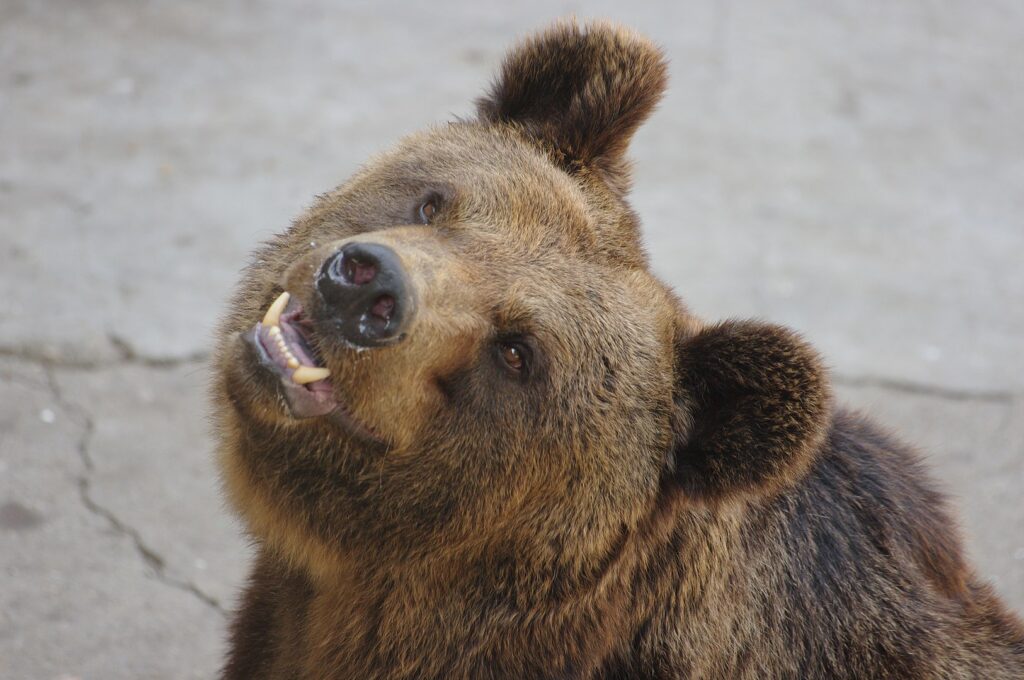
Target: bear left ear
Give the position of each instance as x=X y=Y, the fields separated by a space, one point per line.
x=580 y=91
x=752 y=410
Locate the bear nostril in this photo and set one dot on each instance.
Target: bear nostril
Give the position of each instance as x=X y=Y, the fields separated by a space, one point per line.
x=376 y=322
x=383 y=307
x=357 y=271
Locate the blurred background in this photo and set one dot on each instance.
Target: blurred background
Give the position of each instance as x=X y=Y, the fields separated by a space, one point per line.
x=853 y=169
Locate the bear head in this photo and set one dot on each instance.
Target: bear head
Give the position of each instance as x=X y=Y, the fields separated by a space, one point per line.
x=462 y=350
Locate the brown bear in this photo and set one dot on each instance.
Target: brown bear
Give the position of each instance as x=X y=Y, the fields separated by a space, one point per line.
x=472 y=435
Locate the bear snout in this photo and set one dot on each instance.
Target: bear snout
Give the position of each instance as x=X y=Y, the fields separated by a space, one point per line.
x=366 y=293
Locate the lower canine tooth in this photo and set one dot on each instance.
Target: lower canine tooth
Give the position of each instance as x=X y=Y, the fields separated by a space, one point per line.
x=273 y=315
x=308 y=374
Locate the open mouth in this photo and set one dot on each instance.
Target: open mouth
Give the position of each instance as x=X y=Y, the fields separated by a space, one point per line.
x=282 y=343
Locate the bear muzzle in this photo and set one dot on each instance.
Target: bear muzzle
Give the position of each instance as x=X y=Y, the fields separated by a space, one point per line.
x=355 y=295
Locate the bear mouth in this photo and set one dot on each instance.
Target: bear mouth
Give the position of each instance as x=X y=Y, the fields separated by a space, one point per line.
x=283 y=344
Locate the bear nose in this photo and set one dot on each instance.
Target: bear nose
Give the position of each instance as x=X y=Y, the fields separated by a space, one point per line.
x=367 y=292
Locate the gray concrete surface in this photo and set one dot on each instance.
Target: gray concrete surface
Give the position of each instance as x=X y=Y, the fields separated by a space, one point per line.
x=853 y=169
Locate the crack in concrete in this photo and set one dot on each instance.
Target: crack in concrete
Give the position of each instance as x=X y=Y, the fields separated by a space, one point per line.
x=936 y=391
x=148 y=555
x=130 y=358
x=128 y=354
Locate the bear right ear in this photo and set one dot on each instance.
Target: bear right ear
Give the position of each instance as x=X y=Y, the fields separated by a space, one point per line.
x=752 y=409
x=580 y=91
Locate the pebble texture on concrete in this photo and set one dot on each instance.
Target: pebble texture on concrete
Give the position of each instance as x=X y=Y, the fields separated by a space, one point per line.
x=852 y=169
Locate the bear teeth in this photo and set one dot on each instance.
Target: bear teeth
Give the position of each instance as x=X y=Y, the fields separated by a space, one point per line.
x=301 y=374
x=278 y=337
x=308 y=374
x=273 y=316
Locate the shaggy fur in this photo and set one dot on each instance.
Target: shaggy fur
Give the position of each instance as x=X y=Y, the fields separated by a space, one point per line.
x=651 y=496
x=581 y=93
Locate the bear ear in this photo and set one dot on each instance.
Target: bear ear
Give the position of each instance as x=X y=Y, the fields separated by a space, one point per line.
x=752 y=410
x=580 y=91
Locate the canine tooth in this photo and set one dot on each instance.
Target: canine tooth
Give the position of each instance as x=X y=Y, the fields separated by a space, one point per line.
x=273 y=315
x=293 y=362
x=308 y=374
x=275 y=331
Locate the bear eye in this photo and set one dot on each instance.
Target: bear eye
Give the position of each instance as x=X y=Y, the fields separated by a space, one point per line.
x=427 y=209
x=514 y=355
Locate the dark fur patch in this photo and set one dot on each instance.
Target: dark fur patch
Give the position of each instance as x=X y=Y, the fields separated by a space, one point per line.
x=756 y=401
x=582 y=91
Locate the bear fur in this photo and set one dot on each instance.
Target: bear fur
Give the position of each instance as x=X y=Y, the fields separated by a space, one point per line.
x=648 y=495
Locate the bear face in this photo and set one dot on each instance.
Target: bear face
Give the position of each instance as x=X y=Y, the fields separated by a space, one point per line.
x=504 y=376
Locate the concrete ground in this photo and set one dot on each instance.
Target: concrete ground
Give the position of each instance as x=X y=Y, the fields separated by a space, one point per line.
x=853 y=169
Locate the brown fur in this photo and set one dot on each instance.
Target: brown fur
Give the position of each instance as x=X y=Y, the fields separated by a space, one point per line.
x=654 y=498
